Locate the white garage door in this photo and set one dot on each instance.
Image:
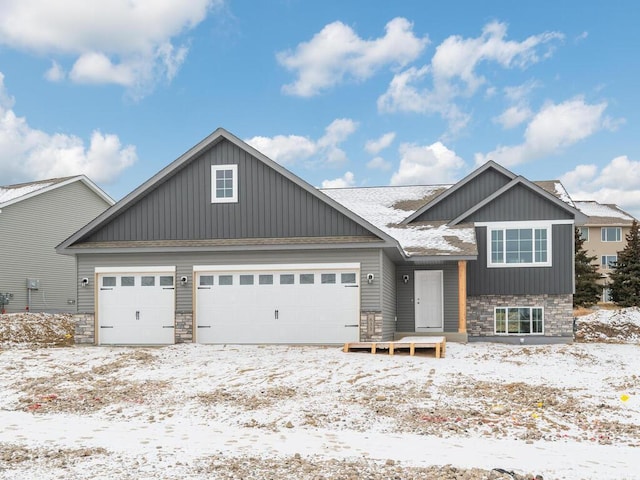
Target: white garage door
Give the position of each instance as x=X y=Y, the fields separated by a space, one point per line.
x=312 y=303
x=136 y=307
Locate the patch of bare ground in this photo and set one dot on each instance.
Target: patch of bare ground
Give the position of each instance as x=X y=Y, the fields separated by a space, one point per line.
x=12 y=455
x=297 y=467
x=34 y=330
x=247 y=400
x=615 y=332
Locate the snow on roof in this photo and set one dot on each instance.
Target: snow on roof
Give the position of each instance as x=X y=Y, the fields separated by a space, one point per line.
x=12 y=192
x=386 y=207
x=602 y=212
x=555 y=187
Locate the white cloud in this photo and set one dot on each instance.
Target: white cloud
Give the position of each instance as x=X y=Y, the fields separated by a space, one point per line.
x=554 y=127
x=617 y=183
x=56 y=73
x=337 y=53
x=28 y=154
x=428 y=165
x=513 y=116
x=347 y=180
x=379 y=163
x=453 y=72
x=288 y=149
x=119 y=41
x=376 y=146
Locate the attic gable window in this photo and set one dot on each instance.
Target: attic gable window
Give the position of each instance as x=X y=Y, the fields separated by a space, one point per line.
x=519 y=245
x=224 y=183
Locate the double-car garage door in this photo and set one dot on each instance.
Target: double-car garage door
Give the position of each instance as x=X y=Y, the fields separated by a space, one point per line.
x=311 y=303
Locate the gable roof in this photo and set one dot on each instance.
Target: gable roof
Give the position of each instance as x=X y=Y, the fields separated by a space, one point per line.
x=11 y=194
x=214 y=138
x=519 y=180
x=386 y=207
x=603 y=213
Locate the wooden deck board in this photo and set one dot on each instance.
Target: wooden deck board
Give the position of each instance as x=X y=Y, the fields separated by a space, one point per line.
x=411 y=343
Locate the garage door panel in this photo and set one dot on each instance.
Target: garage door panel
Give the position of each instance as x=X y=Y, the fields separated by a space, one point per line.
x=286 y=306
x=136 y=308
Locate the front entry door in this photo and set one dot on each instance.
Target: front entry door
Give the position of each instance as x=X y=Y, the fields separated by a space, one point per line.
x=428 y=300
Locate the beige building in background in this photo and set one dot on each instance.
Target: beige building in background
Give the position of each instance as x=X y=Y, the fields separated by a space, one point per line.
x=604 y=236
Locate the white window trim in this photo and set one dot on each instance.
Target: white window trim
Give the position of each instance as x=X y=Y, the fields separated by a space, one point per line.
x=518 y=225
x=232 y=199
x=531 y=307
x=602 y=230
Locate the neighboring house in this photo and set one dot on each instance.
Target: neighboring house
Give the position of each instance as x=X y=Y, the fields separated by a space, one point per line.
x=225 y=245
x=34 y=218
x=604 y=235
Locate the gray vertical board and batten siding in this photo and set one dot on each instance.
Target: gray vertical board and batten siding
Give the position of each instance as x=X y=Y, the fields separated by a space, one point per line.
x=469 y=195
x=405 y=295
x=269 y=206
x=519 y=204
x=29 y=232
x=369 y=260
x=556 y=279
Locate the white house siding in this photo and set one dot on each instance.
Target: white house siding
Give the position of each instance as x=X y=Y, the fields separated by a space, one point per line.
x=29 y=231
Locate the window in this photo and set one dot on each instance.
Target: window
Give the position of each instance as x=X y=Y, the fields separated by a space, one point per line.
x=246 y=279
x=347 y=278
x=519 y=320
x=611 y=234
x=608 y=261
x=265 y=279
x=127 y=281
x=519 y=246
x=606 y=295
x=225 y=280
x=286 y=279
x=306 y=278
x=166 y=281
x=224 y=183
x=328 y=278
x=206 y=280
x=148 y=281
x=584 y=233
x=108 y=281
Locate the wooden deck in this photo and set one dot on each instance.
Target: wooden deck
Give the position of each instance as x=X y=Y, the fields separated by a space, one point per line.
x=407 y=343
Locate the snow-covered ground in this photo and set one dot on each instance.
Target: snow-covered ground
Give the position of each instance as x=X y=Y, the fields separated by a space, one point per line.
x=292 y=412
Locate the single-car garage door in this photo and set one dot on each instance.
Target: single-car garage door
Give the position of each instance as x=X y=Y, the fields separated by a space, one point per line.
x=312 y=303
x=136 y=306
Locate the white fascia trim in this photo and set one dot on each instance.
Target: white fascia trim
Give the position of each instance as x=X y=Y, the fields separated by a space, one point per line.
x=526 y=224
x=234 y=180
x=276 y=267
x=167 y=269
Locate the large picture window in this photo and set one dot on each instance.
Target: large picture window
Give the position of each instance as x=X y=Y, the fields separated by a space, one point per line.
x=519 y=320
x=611 y=234
x=519 y=246
x=224 y=183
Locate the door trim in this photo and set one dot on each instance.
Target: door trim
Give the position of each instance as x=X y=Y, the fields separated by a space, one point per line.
x=440 y=275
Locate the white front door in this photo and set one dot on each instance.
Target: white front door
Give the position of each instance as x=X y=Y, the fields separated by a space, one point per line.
x=428 y=300
x=311 y=303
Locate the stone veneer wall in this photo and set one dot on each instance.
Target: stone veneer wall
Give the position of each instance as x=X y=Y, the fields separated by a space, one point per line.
x=184 y=327
x=85 y=328
x=370 y=326
x=558 y=313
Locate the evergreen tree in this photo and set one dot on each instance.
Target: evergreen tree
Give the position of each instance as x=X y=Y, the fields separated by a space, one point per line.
x=625 y=278
x=587 y=290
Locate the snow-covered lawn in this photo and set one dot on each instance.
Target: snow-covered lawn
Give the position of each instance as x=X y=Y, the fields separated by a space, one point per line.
x=279 y=412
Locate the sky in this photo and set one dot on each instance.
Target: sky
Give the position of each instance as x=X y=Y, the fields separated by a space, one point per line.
x=358 y=93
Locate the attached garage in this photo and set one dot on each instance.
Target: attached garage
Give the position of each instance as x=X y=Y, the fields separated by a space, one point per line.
x=310 y=303
x=136 y=305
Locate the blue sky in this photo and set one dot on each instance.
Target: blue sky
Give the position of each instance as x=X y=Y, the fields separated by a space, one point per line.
x=342 y=93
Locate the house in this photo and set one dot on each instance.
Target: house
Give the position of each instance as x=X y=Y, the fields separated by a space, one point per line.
x=34 y=218
x=225 y=245
x=604 y=235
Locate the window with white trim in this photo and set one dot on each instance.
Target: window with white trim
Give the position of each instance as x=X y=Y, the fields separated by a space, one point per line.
x=519 y=247
x=584 y=233
x=224 y=183
x=611 y=234
x=519 y=320
x=608 y=261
